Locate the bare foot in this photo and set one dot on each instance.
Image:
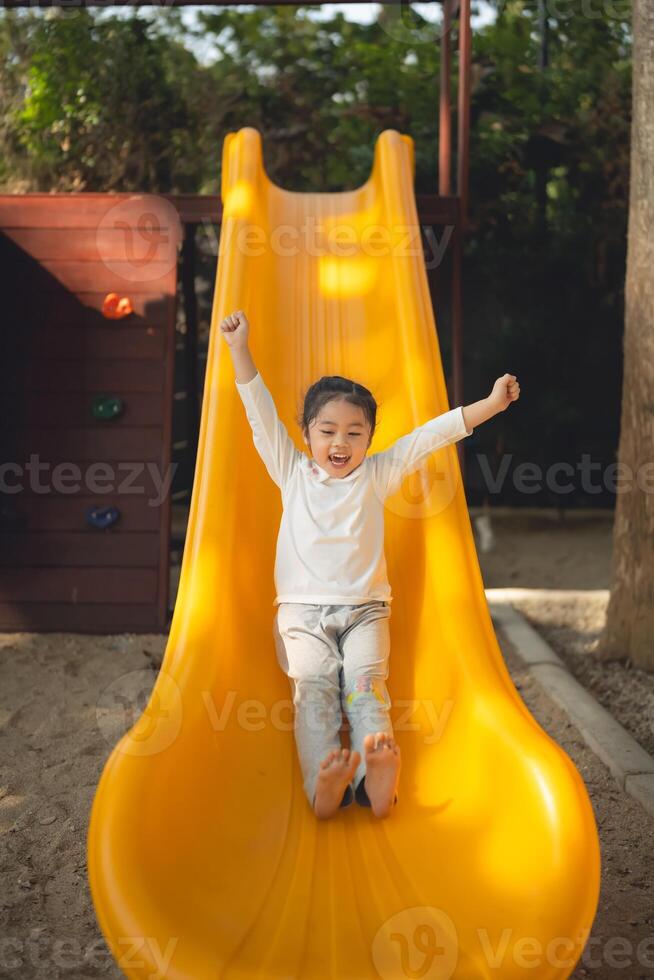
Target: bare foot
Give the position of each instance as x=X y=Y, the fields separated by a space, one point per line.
x=336 y=771
x=383 y=765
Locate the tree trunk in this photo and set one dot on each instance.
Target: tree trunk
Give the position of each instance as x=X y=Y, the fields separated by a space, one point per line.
x=629 y=629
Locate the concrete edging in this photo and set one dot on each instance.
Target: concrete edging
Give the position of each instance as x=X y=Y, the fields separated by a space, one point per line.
x=631 y=765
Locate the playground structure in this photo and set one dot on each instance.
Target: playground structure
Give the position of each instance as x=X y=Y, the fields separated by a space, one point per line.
x=100 y=562
x=204 y=858
x=494 y=831
x=87 y=391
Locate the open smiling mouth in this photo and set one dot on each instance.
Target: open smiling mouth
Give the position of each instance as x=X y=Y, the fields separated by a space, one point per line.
x=339 y=461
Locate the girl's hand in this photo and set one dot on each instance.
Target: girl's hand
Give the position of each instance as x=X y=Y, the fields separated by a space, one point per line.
x=505 y=390
x=235 y=329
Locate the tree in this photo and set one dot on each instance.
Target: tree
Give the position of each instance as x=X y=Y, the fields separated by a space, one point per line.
x=629 y=629
x=90 y=104
x=96 y=102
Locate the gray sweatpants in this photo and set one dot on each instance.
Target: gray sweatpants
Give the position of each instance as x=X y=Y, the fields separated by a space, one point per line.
x=336 y=658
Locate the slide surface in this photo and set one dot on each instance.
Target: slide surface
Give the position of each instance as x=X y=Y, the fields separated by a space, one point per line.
x=205 y=860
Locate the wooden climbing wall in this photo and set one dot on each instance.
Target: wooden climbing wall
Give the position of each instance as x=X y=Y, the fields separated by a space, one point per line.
x=86 y=411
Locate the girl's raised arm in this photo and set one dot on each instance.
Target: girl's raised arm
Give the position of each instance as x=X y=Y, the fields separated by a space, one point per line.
x=406 y=453
x=235 y=328
x=271 y=438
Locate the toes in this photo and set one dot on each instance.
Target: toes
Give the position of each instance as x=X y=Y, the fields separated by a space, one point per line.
x=390 y=743
x=380 y=742
x=343 y=757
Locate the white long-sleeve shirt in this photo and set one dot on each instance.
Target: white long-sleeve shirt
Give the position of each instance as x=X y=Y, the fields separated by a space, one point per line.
x=330 y=545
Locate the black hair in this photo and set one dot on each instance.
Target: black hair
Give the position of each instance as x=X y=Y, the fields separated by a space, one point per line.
x=331 y=387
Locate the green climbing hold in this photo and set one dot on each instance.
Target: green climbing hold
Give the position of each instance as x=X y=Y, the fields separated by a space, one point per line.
x=106 y=407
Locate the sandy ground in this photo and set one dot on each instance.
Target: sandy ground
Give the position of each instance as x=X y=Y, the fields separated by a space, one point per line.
x=536 y=552
x=54 y=741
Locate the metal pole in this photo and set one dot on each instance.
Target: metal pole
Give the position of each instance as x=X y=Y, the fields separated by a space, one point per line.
x=445 y=115
x=191 y=344
x=463 y=167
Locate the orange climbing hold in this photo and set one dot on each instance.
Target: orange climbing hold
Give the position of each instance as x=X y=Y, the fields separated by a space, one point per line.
x=115 y=307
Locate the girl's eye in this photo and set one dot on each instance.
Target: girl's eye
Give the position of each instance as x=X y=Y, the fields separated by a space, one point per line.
x=331 y=433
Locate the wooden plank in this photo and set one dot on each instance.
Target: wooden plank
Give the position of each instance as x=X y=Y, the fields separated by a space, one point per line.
x=84 y=210
x=89 y=244
x=77 y=585
x=29 y=210
x=127 y=480
x=61 y=308
x=61 y=255
x=113 y=375
x=56 y=512
x=92 y=547
x=93 y=618
x=126 y=278
x=83 y=343
x=90 y=443
x=73 y=408
x=433 y=209
x=168 y=466
x=198 y=208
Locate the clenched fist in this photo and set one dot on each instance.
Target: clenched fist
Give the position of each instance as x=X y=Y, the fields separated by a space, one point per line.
x=505 y=390
x=235 y=329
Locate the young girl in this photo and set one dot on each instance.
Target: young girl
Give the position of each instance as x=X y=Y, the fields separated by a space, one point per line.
x=331 y=628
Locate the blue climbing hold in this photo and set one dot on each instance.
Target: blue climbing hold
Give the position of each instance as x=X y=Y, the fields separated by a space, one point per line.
x=102 y=516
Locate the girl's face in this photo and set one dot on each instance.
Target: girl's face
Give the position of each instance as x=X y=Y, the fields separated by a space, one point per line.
x=340 y=429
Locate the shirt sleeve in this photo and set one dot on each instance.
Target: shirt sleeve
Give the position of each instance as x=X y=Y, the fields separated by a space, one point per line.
x=270 y=435
x=406 y=453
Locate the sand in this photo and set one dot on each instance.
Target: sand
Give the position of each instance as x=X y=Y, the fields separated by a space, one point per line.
x=55 y=737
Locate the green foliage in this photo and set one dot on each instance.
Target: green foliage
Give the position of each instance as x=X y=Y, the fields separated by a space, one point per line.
x=96 y=102
x=100 y=106
x=549 y=203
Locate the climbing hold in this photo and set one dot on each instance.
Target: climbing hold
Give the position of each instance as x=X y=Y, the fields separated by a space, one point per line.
x=102 y=516
x=115 y=307
x=106 y=406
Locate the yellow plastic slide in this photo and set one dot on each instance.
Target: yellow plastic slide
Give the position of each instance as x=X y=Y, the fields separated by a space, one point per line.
x=205 y=859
